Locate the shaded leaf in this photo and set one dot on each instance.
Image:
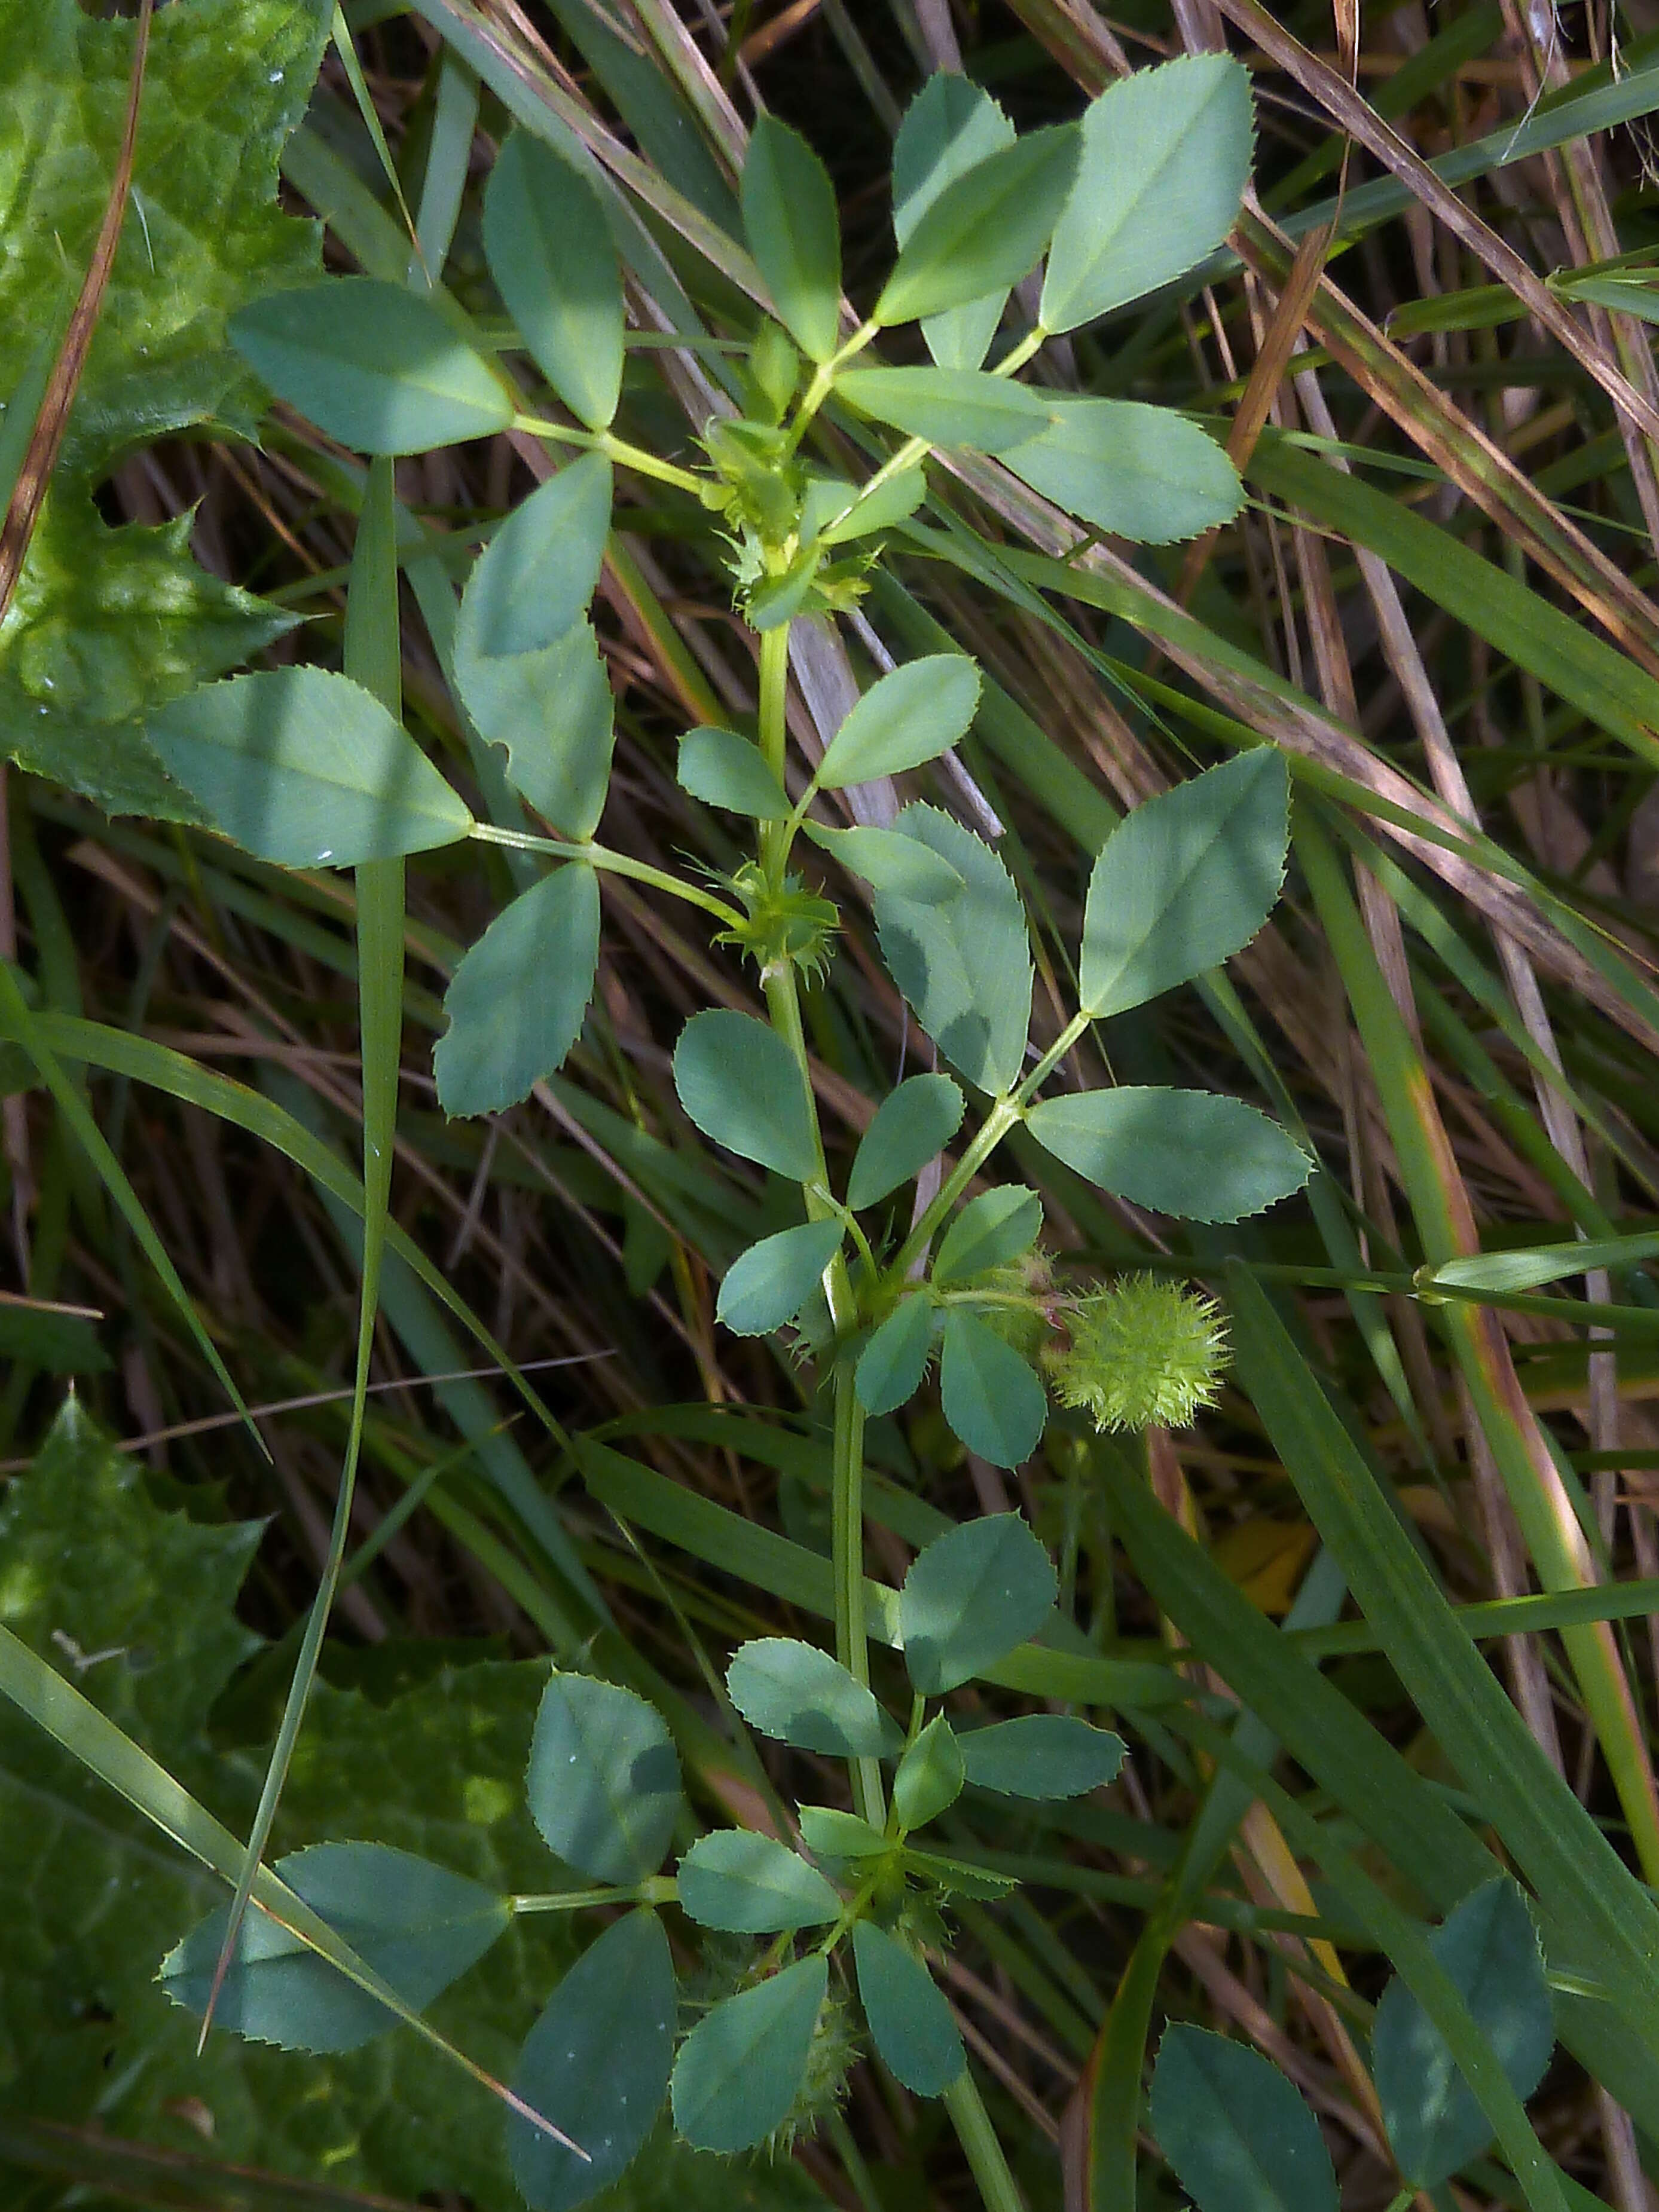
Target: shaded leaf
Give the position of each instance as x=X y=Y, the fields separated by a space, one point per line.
x=964 y=962
x=1184 y=882
x=307 y=769
x=929 y=1778
x=991 y=1397
x=517 y=1001
x=549 y=252
x=372 y=364
x=1489 y=1946
x=971 y=1597
x=534 y=580
x=989 y=1231
x=910 y=2022
x=603 y=1782
x=797 y=1695
x=554 y=711
x=986 y=228
x=740 y=2069
x=1139 y=472
x=723 y=770
x=950 y=126
x=912 y=1124
x=1190 y=1153
x=891 y=1365
x=1165 y=159
x=769 y=1284
x=418 y=1925
x=794 y=234
x=751 y=1885
x=910 y=716
x=1234 y=2129
x=1041 y=1755
x=597 y=2064
x=956 y=1878
x=740 y=1085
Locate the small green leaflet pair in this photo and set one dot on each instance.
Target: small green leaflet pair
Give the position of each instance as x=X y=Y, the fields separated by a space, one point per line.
x=1241 y=2140
x=1181 y=884
x=603 y=1785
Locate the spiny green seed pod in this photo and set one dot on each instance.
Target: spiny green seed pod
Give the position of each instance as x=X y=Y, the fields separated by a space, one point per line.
x=824 y=2085
x=1142 y=1351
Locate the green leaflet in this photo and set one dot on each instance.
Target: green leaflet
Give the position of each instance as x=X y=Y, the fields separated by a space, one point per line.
x=740 y=1085
x=554 y=711
x=723 y=770
x=1165 y=159
x=1184 y=882
x=740 y=2067
x=910 y=2022
x=106 y=623
x=910 y=716
x=753 y=1885
x=990 y=1230
x=1140 y=472
x=970 y=1598
x=891 y=1365
x=1234 y=2129
x=534 y=580
x=373 y=364
x=1490 y=1949
x=950 y=126
x=889 y=861
x=912 y=1123
x=986 y=228
x=1042 y=1755
x=795 y=233
x=963 y=962
x=929 y=1776
x=769 y=1284
x=951 y=406
x=517 y=1001
x=596 y=2065
x=991 y=1397
x=797 y=1695
x=307 y=769
x=603 y=1782
x=417 y=1925
x=550 y=252
x=1190 y=1153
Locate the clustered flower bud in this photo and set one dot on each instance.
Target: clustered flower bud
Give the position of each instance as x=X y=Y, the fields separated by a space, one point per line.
x=1142 y=1352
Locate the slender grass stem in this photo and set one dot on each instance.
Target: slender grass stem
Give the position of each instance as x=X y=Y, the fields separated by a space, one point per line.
x=968 y=2116
x=847 y=1545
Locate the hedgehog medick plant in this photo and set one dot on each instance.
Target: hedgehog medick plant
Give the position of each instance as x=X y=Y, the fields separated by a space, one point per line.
x=307 y=767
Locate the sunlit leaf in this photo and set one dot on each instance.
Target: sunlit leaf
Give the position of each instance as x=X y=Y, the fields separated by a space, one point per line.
x=950 y=126
x=912 y=1124
x=723 y=770
x=971 y=1597
x=1190 y=1153
x=986 y=228
x=794 y=234
x=991 y=1397
x=910 y=716
x=798 y=1694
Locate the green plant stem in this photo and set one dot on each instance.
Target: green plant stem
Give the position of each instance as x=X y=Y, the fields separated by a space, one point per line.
x=968 y=2116
x=847 y=1548
x=612 y=864
x=823 y=381
x=1003 y=1115
x=614 y=449
x=655 y=1889
x=1017 y=355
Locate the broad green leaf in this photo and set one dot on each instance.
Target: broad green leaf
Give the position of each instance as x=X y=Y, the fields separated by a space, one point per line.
x=307 y=769
x=1165 y=159
x=740 y=2068
x=829 y=1834
x=991 y=1397
x=1234 y=2130
x=985 y=230
x=740 y=1085
x=603 y=1782
x=911 y=1125
x=105 y=623
x=534 y=580
x=769 y=1284
x=796 y=1693
x=950 y=126
x=1139 y=472
x=913 y=716
x=1190 y=1153
x=794 y=234
x=517 y=1001
x=597 y=2064
x=951 y=406
x=1490 y=1947
x=890 y=861
x=751 y=1885
x=910 y=2022
x=929 y=1778
x=1184 y=882
x=971 y=1597
x=417 y=1925
x=891 y=1365
x=554 y=711
x=1042 y=1755
x=964 y=962
x=723 y=770
x=862 y=515
x=549 y=252
x=990 y=1230
x=372 y=364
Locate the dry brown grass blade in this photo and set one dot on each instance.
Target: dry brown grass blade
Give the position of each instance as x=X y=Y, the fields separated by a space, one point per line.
x=35 y=472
